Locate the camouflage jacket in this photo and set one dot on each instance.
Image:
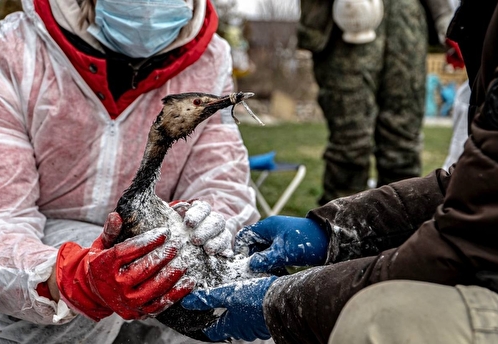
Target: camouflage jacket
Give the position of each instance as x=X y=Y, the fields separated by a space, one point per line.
x=316 y=24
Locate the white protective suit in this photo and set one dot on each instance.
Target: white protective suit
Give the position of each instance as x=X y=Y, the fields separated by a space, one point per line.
x=65 y=163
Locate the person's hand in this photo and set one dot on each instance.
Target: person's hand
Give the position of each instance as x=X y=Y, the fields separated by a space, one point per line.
x=112 y=228
x=132 y=278
x=208 y=227
x=280 y=241
x=243 y=301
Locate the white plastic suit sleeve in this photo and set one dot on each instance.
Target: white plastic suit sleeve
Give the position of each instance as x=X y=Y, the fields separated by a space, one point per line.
x=24 y=260
x=62 y=313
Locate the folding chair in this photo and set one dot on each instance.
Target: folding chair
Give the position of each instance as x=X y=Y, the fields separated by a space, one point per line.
x=266 y=164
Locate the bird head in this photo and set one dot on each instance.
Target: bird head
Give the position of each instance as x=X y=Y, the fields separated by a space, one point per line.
x=183 y=112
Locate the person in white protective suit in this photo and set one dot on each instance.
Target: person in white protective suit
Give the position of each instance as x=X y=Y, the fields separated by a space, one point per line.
x=80 y=84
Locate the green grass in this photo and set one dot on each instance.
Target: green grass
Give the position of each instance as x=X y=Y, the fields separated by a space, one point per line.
x=304 y=143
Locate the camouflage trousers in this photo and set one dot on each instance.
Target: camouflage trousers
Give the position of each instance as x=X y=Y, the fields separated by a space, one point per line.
x=373 y=96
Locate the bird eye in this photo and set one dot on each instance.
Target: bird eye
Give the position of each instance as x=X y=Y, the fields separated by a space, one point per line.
x=197 y=101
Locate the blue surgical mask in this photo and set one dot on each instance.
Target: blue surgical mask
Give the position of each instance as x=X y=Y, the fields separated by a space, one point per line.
x=139 y=28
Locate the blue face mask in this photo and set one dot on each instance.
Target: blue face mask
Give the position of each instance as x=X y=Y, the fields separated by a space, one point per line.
x=139 y=28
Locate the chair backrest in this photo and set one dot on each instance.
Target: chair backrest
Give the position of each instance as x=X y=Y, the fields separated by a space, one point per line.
x=266 y=165
x=262 y=162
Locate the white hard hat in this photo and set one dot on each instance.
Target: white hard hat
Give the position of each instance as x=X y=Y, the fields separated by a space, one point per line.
x=358 y=19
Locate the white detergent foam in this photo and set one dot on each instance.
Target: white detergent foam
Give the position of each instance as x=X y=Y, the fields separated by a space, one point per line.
x=207 y=270
x=197 y=212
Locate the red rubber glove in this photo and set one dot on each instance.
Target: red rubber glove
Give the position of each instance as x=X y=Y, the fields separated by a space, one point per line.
x=132 y=278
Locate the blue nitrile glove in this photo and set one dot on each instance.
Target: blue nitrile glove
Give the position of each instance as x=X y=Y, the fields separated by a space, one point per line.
x=243 y=318
x=280 y=241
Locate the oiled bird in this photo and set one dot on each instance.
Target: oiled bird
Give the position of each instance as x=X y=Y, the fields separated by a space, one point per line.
x=142 y=210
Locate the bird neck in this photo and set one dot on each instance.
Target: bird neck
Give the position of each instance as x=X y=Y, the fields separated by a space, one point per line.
x=150 y=168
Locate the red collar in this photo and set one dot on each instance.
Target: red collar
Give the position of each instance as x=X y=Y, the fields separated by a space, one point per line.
x=93 y=69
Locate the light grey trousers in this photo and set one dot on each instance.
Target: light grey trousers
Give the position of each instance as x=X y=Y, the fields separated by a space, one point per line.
x=399 y=312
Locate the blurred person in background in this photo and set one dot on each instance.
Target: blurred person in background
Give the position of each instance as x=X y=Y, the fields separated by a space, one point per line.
x=371 y=79
x=81 y=82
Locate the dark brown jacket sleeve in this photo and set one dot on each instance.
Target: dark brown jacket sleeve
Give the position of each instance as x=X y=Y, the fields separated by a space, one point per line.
x=458 y=246
x=376 y=220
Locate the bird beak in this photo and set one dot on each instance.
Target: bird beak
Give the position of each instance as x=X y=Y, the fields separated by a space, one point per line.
x=226 y=101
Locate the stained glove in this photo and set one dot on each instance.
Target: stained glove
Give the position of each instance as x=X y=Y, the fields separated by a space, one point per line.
x=243 y=318
x=280 y=241
x=208 y=227
x=132 y=278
